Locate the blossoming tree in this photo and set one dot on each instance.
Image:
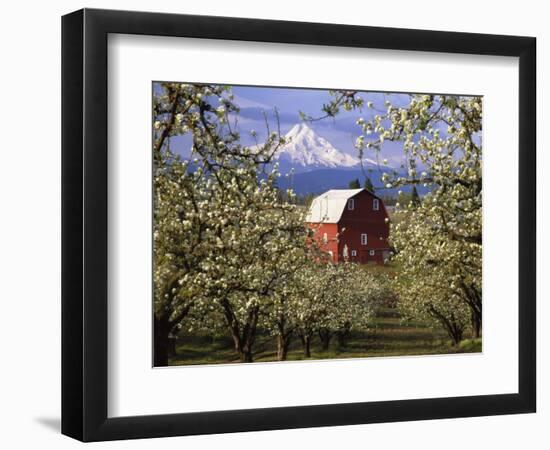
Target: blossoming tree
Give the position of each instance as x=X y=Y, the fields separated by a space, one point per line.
x=438 y=240
x=223 y=238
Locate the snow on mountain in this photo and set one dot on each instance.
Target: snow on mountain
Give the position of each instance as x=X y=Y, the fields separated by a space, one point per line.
x=305 y=150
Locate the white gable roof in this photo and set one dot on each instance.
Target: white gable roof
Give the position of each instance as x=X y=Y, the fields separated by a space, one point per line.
x=328 y=207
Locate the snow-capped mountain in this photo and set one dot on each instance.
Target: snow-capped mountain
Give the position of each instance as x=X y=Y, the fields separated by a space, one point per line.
x=305 y=151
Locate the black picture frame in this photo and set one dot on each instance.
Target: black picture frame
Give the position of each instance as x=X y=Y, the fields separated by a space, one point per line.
x=84 y=224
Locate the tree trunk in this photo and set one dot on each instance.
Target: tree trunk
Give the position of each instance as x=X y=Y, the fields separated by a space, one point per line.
x=457 y=338
x=284 y=335
x=162 y=342
x=243 y=334
x=343 y=337
x=473 y=299
x=243 y=347
x=325 y=336
x=306 y=344
x=246 y=356
x=172 y=340
x=476 y=326
x=456 y=333
x=454 y=329
x=283 y=342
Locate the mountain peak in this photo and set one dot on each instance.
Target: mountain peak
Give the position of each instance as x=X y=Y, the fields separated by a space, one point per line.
x=300 y=129
x=305 y=149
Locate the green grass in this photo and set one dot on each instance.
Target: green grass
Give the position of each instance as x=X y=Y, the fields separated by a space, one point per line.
x=388 y=336
x=470 y=345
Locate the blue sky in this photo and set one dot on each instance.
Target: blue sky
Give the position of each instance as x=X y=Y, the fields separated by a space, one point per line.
x=340 y=131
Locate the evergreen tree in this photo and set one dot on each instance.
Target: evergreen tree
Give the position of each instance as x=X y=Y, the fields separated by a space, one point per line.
x=354 y=184
x=368 y=185
x=415 y=198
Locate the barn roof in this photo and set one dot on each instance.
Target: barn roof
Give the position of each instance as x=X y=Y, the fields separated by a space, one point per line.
x=328 y=207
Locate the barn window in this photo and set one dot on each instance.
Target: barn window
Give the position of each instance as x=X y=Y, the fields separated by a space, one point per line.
x=364 y=239
x=375 y=204
x=351 y=204
x=354 y=253
x=371 y=252
x=325 y=238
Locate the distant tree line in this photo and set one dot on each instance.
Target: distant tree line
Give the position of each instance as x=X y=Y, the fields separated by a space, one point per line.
x=356 y=184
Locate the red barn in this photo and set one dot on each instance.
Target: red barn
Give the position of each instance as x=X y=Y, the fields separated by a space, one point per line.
x=351 y=224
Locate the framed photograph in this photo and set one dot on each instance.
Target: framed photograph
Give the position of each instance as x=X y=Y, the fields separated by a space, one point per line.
x=273 y=224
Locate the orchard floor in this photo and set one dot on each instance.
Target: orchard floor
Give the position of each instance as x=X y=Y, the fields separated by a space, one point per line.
x=388 y=336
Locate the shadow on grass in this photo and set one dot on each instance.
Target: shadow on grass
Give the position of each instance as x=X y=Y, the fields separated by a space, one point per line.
x=388 y=336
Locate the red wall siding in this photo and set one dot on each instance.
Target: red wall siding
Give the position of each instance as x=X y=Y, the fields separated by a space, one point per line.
x=331 y=229
x=364 y=219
